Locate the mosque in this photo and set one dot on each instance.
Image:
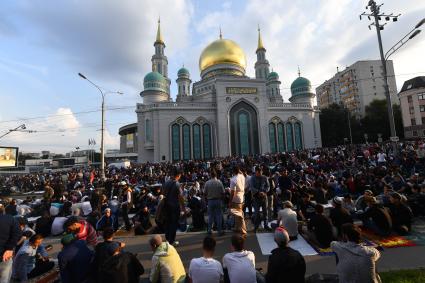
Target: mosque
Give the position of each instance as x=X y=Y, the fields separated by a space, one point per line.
x=225 y=113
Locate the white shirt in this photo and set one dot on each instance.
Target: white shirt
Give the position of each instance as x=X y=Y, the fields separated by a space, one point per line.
x=205 y=270
x=237 y=184
x=240 y=266
x=381 y=157
x=289 y=221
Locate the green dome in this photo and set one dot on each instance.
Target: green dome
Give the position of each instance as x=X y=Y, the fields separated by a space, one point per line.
x=300 y=85
x=154 y=77
x=273 y=76
x=183 y=71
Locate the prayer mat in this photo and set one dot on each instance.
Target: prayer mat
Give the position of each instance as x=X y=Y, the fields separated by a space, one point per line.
x=392 y=241
x=267 y=244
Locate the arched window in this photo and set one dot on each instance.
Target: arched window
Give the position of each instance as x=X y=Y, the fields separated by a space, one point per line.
x=272 y=137
x=298 y=136
x=272 y=92
x=196 y=131
x=186 y=141
x=175 y=141
x=244 y=132
x=206 y=131
x=281 y=137
x=148 y=130
x=289 y=136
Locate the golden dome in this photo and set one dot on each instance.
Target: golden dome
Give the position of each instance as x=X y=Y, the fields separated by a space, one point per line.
x=222 y=51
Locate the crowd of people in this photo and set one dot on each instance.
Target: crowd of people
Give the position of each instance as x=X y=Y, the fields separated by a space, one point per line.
x=322 y=195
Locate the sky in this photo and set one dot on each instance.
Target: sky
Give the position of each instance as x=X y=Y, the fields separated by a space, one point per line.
x=45 y=44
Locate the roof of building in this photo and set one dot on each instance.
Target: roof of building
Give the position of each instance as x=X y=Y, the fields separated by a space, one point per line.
x=183 y=71
x=417 y=82
x=154 y=76
x=273 y=76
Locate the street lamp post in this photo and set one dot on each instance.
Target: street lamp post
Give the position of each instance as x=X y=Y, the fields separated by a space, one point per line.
x=377 y=15
x=18 y=128
x=102 y=140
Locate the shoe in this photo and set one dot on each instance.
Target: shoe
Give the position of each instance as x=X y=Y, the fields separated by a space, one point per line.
x=267 y=228
x=175 y=244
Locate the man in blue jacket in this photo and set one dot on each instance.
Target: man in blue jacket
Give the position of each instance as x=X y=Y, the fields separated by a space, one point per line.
x=74 y=260
x=9 y=237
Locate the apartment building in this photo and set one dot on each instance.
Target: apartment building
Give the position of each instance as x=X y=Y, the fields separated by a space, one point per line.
x=412 y=102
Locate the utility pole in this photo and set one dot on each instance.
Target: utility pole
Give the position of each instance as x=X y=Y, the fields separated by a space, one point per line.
x=377 y=16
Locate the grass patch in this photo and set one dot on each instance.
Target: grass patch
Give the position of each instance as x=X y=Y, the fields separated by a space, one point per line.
x=403 y=276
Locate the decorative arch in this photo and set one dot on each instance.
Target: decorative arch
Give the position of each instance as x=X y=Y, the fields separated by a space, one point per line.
x=243 y=120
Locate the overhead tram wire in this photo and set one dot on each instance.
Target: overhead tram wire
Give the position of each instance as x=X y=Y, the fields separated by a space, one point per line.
x=134 y=107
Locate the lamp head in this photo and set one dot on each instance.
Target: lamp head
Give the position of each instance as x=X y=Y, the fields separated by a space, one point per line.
x=82 y=76
x=415 y=33
x=420 y=23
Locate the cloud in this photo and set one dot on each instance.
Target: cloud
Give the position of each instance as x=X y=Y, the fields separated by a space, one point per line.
x=107 y=40
x=66 y=122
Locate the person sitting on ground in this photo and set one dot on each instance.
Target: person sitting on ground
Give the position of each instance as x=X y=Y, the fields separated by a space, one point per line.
x=339 y=215
x=377 y=218
x=305 y=207
x=321 y=228
x=206 y=269
x=355 y=263
x=74 y=260
x=348 y=204
x=285 y=264
x=239 y=265
x=287 y=218
x=401 y=215
x=361 y=202
x=120 y=266
x=43 y=225
x=142 y=222
x=106 y=221
x=166 y=263
x=31 y=260
x=11 y=208
x=81 y=229
x=101 y=251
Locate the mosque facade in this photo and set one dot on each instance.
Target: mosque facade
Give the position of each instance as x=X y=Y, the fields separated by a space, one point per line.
x=226 y=112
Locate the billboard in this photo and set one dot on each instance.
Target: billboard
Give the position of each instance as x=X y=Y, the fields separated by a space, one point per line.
x=8 y=157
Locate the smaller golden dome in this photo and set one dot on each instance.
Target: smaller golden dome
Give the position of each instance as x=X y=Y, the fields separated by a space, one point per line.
x=222 y=51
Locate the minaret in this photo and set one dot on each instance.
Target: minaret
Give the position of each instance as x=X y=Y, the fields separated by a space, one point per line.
x=159 y=60
x=183 y=82
x=262 y=65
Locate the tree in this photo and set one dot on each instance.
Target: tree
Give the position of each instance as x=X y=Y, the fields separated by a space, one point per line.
x=334 y=125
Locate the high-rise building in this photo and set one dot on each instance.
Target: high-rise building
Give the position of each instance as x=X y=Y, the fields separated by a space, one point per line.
x=412 y=102
x=357 y=86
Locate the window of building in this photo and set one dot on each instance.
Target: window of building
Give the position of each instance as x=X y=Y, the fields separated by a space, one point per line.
x=413 y=122
x=421 y=96
x=281 y=137
x=298 y=136
x=423 y=120
x=272 y=137
x=175 y=141
x=409 y=99
x=415 y=133
x=422 y=108
x=289 y=137
x=186 y=141
x=196 y=141
x=411 y=110
x=206 y=132
x=374 y=87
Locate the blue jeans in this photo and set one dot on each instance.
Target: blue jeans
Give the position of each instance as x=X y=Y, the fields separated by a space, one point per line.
x=215 y=214
x=6 y=271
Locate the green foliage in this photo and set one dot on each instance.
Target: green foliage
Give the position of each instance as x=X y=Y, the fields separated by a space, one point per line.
x=403 y=276
x=334 y=124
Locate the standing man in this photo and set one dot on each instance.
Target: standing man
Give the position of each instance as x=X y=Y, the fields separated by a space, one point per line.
x=214 y=193
x=259 y=187
x=9 y=237
x=237 y=189
x=127 y=203
x=173 y=206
